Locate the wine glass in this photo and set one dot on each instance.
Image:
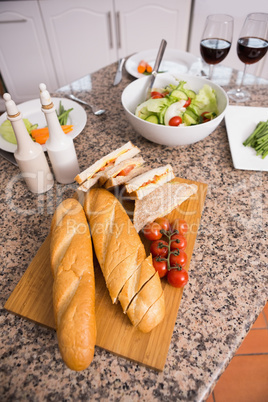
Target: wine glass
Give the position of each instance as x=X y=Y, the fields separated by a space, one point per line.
x=252 y=46
x=216 y=39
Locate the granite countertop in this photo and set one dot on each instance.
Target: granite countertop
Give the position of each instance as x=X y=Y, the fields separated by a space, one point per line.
x=228 y=272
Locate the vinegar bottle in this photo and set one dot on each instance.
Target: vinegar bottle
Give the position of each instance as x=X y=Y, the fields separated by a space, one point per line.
x=60 y=147
x=29 y=154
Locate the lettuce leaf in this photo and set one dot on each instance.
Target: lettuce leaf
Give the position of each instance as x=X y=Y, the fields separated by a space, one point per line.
x=7 y=132
x=206 y=100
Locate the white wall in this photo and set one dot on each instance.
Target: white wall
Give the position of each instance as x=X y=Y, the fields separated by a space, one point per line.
x=239 y=10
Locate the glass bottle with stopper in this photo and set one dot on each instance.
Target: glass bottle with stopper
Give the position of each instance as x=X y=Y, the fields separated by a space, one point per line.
x=60 y=147
x=29 y=154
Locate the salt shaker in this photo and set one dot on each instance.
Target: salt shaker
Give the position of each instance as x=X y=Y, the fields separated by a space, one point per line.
x=60 y=147
x=29 y=154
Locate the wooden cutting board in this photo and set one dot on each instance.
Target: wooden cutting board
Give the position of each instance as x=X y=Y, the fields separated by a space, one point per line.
x=32 y=298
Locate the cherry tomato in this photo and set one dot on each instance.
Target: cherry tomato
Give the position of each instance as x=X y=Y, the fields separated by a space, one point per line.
x=180 y=225
x=160 y=248
x=205 y=119
x=177 y=277
x=152 y=231
x=164 y=223
x=178 y=241
x=175 y=121
x=178 y=259
x=160 y=266
x=157 y=95
x=188 y=102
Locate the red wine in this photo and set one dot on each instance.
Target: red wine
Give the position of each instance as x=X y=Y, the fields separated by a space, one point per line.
x=214 y=50
x=251 y=50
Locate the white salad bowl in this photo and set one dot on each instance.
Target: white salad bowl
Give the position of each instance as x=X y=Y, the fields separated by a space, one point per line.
x=135 y=93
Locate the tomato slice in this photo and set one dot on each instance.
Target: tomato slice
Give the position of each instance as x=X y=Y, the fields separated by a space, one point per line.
x=126 y=170
x=188 y=102
x=175 y=121
x=157 y=95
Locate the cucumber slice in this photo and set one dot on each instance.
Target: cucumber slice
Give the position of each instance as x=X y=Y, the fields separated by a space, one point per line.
x=190 y=118
x=179 y=94
x=191 y=94
x=152 y=119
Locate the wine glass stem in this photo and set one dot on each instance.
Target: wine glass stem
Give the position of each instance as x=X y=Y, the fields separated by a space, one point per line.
x=242 y=79
x=210 y=71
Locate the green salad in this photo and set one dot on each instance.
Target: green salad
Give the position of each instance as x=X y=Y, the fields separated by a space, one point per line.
x=176 y=105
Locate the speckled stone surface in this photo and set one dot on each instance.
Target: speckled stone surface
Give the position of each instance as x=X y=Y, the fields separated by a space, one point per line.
x=228 y=271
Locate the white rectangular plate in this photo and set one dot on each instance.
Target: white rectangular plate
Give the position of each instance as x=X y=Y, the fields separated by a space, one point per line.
x=240 y=123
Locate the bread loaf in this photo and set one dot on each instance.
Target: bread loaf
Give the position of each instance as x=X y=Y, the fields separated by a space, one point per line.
x=129 y=276
x=74 y=284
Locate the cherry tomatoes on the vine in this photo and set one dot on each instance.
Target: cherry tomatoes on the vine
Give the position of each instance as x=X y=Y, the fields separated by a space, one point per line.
x=180 y=225
x=152 y=231
x=160 y=266
x=179 y=259
x=177 y=277
x=178 y=241
x=164 y=223
x=160 y=248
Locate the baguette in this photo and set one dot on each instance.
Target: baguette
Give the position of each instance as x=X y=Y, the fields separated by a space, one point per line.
x=122 y=259
x=74 y=284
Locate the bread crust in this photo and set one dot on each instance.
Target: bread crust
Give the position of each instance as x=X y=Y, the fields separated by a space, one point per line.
x=133 y=285
x=144 y=299
x=161 y=202
x=129 y=276
x=154 y=315
x=74 y=284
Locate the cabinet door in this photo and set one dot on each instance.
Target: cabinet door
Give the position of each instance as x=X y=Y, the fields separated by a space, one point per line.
x=143 y=24
x=81 y=35
x=25 y=60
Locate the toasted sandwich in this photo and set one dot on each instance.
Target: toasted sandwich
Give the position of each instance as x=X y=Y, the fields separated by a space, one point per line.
x=161 y=202
x=144 y=184
x=97 y=172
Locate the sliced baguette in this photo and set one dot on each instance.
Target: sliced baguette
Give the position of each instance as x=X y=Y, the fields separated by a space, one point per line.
x=144 y=299
x=120 y=254
x=134 y=284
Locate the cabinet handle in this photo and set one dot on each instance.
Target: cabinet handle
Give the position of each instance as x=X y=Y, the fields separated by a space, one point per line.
x=118 y=30
x=109 y=18
x=12 y=21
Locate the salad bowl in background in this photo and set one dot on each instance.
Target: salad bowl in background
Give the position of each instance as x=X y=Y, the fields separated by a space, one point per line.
x=135 y=93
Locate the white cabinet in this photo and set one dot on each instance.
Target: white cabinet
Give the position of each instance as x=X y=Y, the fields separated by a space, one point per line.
x=239 y=10
x=81 y=35
x=59 y=41
x=143 y=24
x=86 y=35
x=25 y=59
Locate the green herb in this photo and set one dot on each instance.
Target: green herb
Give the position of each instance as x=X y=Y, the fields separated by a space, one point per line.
x=63 y=114
x=259 y=139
